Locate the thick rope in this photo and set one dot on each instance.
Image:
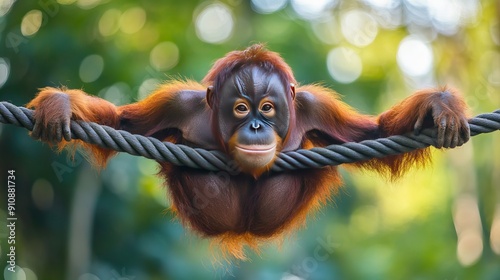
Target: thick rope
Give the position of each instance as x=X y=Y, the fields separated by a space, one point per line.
x=123 y=141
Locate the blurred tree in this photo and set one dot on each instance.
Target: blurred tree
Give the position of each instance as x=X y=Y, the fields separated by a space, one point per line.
x=76 y=223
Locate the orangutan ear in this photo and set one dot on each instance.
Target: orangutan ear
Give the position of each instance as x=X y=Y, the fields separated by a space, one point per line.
x=209 y=97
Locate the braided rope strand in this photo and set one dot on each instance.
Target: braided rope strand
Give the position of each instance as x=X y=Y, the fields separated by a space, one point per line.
x=152 y=148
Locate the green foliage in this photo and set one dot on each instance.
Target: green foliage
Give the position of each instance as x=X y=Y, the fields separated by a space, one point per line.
x=116 y=223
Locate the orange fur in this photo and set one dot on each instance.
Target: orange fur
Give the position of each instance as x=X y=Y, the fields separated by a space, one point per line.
x=348 y=125
x=338 y=117
x=253 y=54
x=83 y=107
x=251 y=207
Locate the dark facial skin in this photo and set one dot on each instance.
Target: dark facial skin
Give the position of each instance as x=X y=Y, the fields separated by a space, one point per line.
x=253 y=117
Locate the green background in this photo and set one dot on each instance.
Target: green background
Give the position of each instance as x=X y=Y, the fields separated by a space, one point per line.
x=78 y=223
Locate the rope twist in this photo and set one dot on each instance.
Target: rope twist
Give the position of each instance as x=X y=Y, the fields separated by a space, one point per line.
x=123 y=141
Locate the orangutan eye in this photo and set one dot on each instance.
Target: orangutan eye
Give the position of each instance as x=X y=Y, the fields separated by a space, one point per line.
x=240 y=110
x=267 y=107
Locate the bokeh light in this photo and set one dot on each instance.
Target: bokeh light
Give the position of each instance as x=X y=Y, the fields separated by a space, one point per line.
x=288 y=276
x=66 y=2
x=19 y=273
x=445 y=22
x=490 y=67
x=469 y=230
x=415 y=57
x=310 y=10
x=388 y=13
x=132 y=20
x=375 y=52
x=5 y=6
x=31 y=22
x=42 y=194
x=164 y=56
x=326 y=30
x=383 y=4
x=4 y=71
x=109 y=23
x=445 y=16
x=118 y=94
x=215 y=23
x=495 y=32
x=91 y=68
x=359 y=28
x=147 y=87
x=88 y=4
x=469 y=247
x=268 y=6
x=495 y=231
x=344 y=65
x=30 y=274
